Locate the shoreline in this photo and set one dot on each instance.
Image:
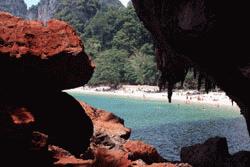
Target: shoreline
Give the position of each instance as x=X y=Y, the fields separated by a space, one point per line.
x=145 y=92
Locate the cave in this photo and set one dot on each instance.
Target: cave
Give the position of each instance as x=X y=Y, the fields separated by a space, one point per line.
x=205 y=35
x=188 y=35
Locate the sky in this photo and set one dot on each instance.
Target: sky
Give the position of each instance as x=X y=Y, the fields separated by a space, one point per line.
x=34 y=2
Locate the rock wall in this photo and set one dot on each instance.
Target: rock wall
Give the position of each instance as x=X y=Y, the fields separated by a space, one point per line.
x=110 y=3
x=52 y=55
x=46 y=9
x=110 y=146
x=16 y=7
x=214 y=153
x=36 y=63
x=32 y=13
x=42 y=126
x=203 y=34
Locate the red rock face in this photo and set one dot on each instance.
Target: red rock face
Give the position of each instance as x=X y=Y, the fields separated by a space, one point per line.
x=37 y=61
x=33 y=52
x=20 y=37
x=110 y=144
x=36 y=149
x=106 y=122
x=22 y=116
x=145 y=152
x=169 y=165
x=106 y=158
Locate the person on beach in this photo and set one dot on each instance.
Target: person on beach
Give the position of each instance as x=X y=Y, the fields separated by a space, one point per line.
x=188 y=99
x=218 y=105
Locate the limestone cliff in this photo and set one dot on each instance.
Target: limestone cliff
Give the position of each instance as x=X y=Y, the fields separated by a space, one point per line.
x=110 y=3
x=16 y=7
x=47 y=9
x=32 y=13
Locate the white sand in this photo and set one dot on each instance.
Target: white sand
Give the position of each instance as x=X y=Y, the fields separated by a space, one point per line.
x=151 y=93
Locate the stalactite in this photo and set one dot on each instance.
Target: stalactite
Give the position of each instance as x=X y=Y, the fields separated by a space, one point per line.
x=170 y=92
x=182 y=83
x=184 y=76
x=195 y=72
x=213 y=85
x=174 y=69
x=208 y=85
x=200 y=78
x=191 y=28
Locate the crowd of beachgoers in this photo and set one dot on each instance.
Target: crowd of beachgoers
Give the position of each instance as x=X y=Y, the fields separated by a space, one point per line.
x=146 y=92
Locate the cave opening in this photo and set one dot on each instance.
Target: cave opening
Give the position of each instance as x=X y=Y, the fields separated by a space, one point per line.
x=146 y=53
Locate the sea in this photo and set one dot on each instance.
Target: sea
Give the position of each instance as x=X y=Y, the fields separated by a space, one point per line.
x=169 y=127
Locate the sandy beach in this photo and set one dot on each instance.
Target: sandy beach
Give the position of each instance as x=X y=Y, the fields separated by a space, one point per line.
x=146 y=92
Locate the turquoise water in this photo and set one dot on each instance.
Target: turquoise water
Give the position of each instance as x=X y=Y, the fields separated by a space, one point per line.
x=169 y=127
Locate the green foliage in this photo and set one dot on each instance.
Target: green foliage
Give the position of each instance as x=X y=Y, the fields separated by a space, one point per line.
x=132 y=34
x=78 y=12
x=92 y=46
x=117 y=41
x=103 y=27
x=147 y=49
x=118 y=28
x=113 y=35
x=141 y=69
x=111 y=32
x=115 y=67
x=109 y=67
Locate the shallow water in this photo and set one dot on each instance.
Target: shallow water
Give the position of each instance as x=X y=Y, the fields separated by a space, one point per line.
x=169 y=127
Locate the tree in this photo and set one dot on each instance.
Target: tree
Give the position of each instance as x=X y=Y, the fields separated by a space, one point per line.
x=132 y=34
x=147 y=49
x=92 y=46
x=104 y=26
x=141 y=69
x=109 y=68
x=77 y=13
x=119 y=43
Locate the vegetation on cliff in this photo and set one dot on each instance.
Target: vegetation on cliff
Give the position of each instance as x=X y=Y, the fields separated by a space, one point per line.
x=77 y=13
x=111 y=33
x=120 y=45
